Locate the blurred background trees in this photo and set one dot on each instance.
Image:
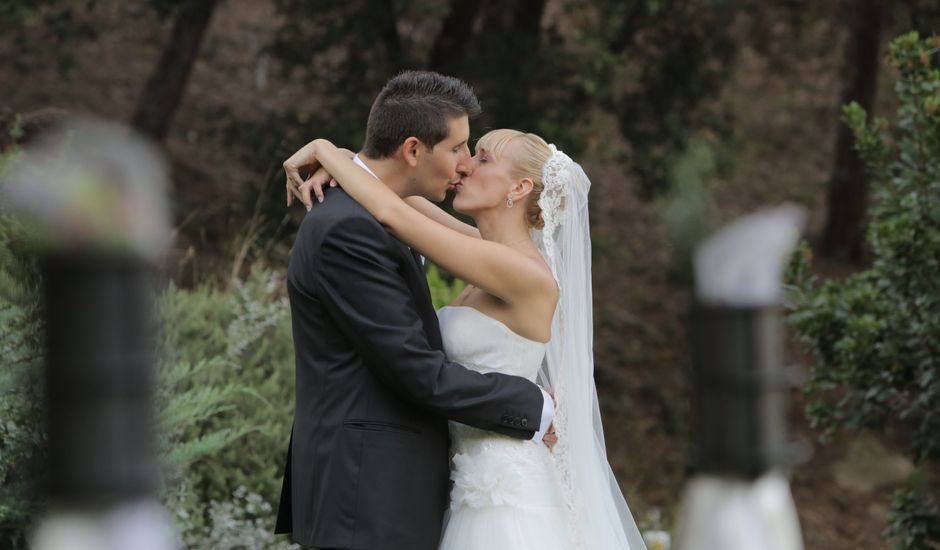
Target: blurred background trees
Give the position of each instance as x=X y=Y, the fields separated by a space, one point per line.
x=548 y=67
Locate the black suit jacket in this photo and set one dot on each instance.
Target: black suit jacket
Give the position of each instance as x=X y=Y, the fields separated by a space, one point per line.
x=368 y=463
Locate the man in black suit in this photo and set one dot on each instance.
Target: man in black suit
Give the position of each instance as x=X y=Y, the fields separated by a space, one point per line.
x=368 y=464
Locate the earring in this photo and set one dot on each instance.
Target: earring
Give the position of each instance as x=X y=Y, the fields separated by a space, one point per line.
x=509 y=202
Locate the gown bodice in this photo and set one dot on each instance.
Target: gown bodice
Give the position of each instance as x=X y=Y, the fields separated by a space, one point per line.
x=491 y=469
x=482 y=343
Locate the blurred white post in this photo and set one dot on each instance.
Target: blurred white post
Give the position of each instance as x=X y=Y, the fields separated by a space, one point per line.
x=739 y=496
x=95 y=195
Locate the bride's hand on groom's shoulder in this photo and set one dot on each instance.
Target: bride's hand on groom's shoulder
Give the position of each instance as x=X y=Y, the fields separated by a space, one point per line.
x=313 y=187
x=305 y=159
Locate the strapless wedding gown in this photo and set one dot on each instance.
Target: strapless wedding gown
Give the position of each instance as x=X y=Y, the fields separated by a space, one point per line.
x=506 y=492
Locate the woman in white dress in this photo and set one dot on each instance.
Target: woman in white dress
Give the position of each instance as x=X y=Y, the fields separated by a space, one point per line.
x=526 y=311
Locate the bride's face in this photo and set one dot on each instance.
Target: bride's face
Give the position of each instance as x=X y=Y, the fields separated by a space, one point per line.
x=487 y=185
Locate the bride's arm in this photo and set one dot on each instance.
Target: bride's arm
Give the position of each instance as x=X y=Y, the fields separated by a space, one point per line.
x=315 y=183
x=493 y=267
x=441 y=216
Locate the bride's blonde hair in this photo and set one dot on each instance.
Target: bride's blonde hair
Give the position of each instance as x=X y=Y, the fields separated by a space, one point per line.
x=527 y=160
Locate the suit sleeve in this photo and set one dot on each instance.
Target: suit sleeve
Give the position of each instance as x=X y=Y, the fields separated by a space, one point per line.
x=360 y=284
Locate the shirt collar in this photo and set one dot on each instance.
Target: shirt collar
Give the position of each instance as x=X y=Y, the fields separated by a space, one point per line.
x=358 y=161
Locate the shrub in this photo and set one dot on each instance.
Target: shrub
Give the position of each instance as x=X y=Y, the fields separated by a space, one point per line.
x=21 y=414
x=227 y=399
x=875 y=335
x=443 y=289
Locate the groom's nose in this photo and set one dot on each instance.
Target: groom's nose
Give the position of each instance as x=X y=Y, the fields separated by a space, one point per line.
x=465 y=166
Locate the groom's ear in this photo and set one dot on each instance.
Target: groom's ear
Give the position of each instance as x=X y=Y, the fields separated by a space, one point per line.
x=410 y=150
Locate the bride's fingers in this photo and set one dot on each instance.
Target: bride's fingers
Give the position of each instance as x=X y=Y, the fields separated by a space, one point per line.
x=292 y=191
x=294 y=181
x=322 y=179
x=314 y=184
x=309 y=189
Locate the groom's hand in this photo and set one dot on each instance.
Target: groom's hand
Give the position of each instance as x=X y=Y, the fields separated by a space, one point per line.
x=550 y=438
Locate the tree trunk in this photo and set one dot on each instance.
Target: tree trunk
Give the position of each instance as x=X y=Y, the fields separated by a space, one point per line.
x=165 y=87
x=525 y=44
x=528 y=19
x=386 y=21
x=450 y=46
x=847 y=207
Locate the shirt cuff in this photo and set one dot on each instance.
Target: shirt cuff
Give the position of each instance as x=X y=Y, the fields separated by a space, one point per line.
x=548 y=413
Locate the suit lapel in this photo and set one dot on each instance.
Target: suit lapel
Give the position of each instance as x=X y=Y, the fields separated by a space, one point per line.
x=422 y=296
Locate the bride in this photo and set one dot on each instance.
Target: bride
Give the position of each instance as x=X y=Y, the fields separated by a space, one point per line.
x=526 y=311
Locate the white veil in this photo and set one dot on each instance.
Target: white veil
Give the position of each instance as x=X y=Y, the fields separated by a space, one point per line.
x=599 y=514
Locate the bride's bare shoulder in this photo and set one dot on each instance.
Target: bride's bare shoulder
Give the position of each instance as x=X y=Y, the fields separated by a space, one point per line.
x=545 y=279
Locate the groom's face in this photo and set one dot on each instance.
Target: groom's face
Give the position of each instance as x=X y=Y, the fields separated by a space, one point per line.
x=439 y=169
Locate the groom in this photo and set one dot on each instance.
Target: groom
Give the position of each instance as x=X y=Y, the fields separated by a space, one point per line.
x=368 y=464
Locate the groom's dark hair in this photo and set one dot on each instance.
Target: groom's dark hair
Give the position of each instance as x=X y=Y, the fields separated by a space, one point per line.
x=419 y=104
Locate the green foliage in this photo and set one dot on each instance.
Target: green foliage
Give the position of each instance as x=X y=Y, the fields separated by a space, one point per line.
x=21 y=436
x=187 y=406
x=915 y=519
x=228 y=376
x=43 y=29
x=875 y=334
x=687 y=212
x=443 y=291
x=244 y=521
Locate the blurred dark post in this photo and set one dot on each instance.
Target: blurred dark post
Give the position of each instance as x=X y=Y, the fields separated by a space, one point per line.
x=738 y=390
x=95 y=196
x=99 y=377
x=738 y=496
